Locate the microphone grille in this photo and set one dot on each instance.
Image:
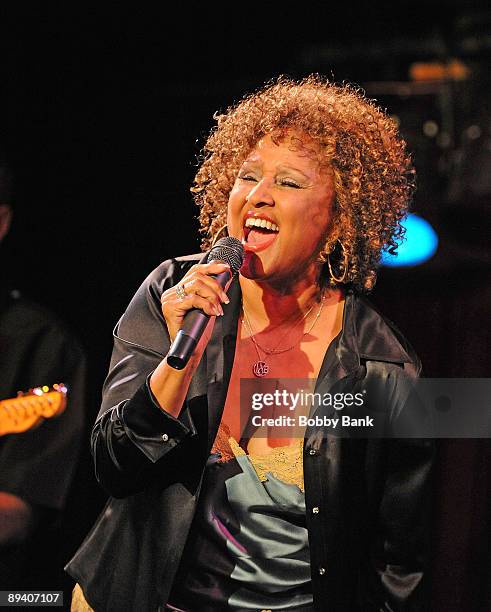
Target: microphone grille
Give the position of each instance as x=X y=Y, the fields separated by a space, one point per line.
x=229 y=250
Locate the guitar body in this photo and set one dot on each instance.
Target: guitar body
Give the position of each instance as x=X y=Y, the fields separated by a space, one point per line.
x=28 y=410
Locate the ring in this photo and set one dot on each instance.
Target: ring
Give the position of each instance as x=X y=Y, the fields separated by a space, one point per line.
x=181 y=292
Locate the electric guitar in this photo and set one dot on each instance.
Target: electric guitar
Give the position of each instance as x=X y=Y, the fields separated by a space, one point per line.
x=28 y=409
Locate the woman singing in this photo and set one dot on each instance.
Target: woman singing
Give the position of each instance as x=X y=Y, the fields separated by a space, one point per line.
x=208 y=512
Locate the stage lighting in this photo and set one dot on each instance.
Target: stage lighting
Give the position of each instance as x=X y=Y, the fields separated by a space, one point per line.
x=418 y=245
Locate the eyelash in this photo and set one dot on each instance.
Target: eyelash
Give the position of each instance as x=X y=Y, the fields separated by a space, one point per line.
x=290 y=183
x=284 y=182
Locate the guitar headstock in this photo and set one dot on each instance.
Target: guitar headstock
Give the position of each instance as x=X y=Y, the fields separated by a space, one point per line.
x=42 y=391
x=23 y=412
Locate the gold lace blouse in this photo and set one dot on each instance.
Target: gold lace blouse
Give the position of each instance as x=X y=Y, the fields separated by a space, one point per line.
x=283 y=462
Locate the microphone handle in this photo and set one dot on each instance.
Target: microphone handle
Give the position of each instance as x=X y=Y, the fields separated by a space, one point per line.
x=185 y=342
x=187 y=338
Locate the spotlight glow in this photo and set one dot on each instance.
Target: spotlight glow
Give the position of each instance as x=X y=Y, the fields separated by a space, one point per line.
x=419 y=244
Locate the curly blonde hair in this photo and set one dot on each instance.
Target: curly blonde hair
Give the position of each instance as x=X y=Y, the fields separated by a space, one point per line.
x=373 y=174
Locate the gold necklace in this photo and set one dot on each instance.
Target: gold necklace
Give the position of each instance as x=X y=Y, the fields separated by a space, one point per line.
x=260 y=368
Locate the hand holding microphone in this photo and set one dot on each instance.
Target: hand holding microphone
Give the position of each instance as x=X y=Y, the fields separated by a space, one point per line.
x=199 y=295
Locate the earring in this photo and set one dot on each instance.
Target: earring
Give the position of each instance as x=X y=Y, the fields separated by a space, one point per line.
x=223 y=230
x=345 y=265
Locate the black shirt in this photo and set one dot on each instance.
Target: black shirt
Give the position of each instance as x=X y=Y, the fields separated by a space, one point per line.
x=38 y=465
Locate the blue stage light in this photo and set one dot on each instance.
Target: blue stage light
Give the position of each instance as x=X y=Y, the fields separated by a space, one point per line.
x=419 y=244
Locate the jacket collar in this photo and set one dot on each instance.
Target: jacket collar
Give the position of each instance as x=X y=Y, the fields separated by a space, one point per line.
x=367 y=335
x=219 y=358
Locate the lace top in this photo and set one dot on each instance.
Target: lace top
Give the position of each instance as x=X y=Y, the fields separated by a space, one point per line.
x=283 y=462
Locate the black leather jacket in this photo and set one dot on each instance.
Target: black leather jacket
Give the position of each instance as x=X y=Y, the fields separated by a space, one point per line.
x=367 y=539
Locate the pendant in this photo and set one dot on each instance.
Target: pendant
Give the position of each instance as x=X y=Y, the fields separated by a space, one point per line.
x=260 y=369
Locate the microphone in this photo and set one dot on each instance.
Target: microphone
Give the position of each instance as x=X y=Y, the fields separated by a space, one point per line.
x=230 y=251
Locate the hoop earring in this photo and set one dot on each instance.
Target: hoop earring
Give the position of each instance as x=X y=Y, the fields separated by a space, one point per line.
x=345 y=265
x=222 y=230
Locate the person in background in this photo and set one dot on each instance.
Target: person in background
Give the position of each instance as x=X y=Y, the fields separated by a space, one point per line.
x=37 y=465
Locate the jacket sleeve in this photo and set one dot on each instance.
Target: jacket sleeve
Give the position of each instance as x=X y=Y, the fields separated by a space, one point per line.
x=400 y=550
x=132 y=433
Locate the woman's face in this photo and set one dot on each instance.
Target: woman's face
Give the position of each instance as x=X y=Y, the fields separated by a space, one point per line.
x=280 y=207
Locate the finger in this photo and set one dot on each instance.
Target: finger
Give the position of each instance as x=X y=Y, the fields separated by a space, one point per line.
x=201 y=284
x=196 y=301
x=175 y=307
x=210 y=270
x=212 y=267
x=207 y=287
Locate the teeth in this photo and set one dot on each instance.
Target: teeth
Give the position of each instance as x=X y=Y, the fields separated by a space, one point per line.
x=251 y=222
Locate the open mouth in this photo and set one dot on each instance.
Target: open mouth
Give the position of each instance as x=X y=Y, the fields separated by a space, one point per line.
x=259 y=233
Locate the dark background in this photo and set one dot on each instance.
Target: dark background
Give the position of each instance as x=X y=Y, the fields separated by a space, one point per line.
x=103 y=114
